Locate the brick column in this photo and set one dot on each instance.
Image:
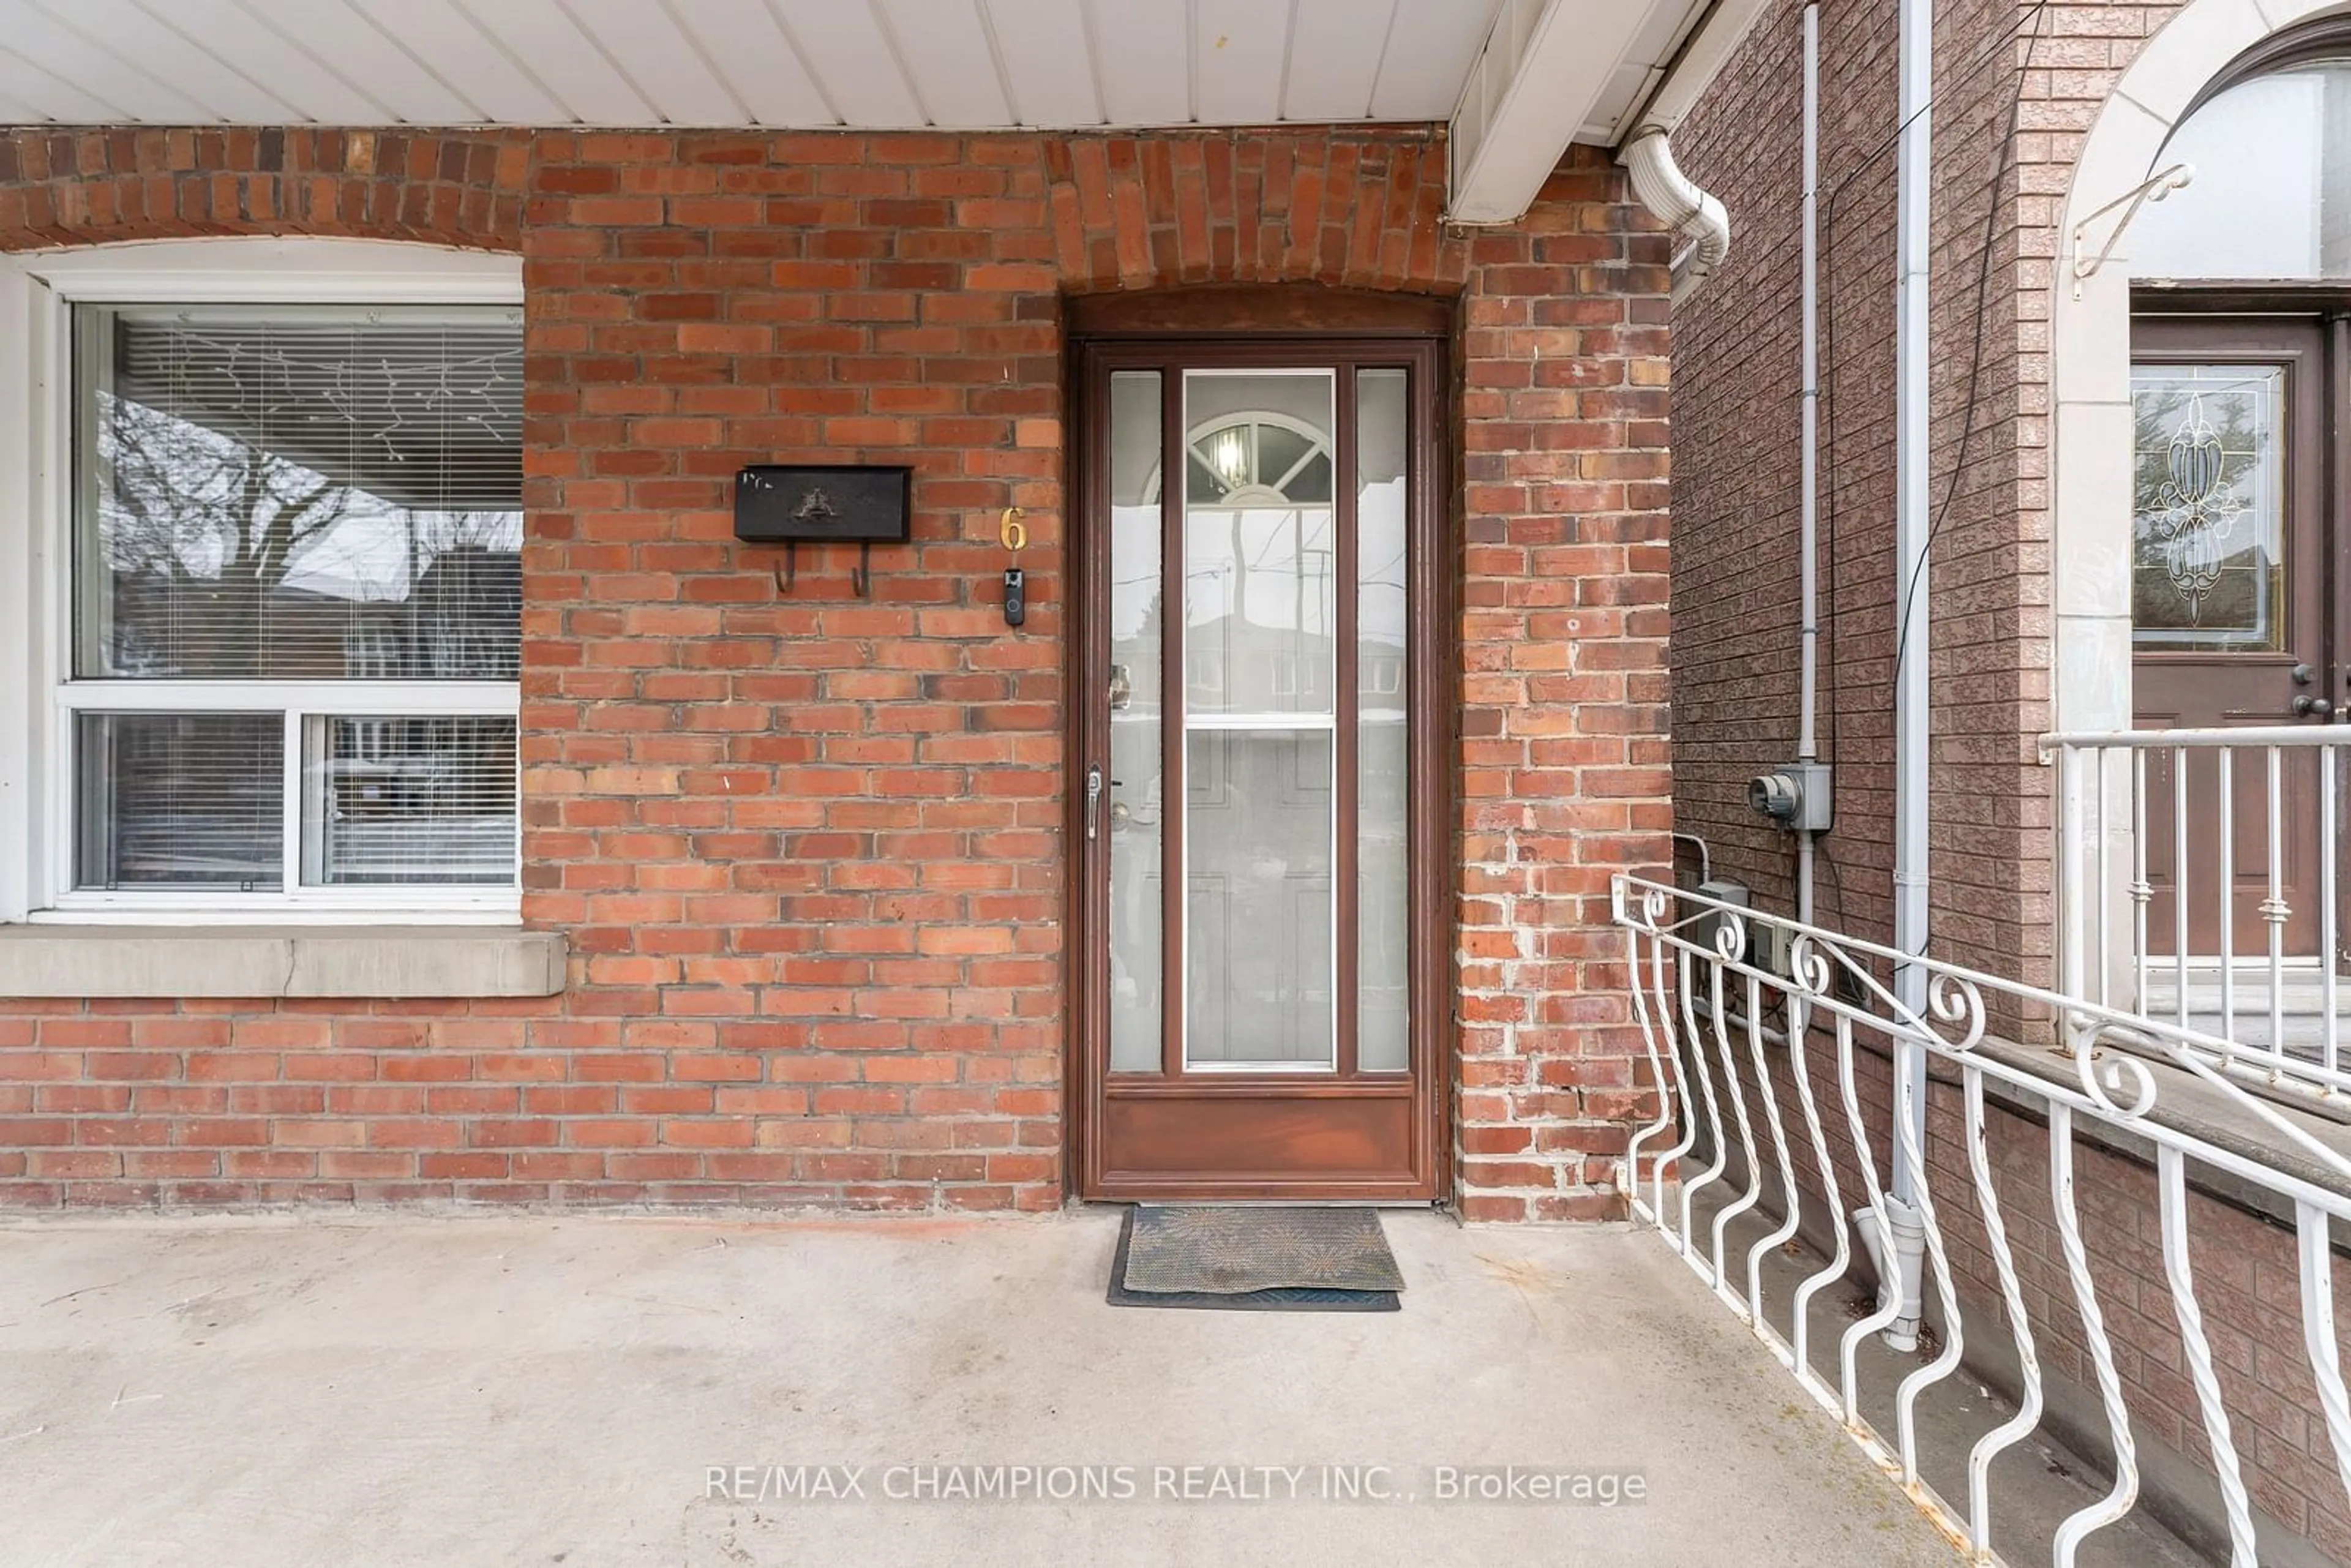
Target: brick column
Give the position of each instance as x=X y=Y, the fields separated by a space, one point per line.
x=1564 y=774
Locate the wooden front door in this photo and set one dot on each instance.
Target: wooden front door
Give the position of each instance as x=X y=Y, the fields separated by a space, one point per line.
x=1258 y=703
x=2232 y=537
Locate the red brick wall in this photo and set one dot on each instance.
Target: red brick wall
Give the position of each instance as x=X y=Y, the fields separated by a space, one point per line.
x=807 y=846
x=1564 y=776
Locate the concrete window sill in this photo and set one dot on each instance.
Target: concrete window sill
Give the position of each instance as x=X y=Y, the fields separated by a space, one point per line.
x=383 y=961
x=2186 y=1103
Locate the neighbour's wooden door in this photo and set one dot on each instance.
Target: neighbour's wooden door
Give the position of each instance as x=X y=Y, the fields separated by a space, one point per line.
x=1259 y=909
x=2232 y=538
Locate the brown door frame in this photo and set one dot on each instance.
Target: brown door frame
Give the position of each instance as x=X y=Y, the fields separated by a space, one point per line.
x=1378 y=340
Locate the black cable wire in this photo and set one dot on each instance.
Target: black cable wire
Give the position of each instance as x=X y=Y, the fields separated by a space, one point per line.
x=1837 y=880
x=1990 y=52
x=1830 y=620
x=1826 y=610
x=2001 y=167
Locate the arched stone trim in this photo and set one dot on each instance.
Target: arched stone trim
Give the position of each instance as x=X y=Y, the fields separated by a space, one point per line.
x=2090 y=346
x=458 y=188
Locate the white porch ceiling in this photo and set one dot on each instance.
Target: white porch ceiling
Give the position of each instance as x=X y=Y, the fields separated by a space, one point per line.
x=875 y=64
x=878 y=64
x=1507 y=73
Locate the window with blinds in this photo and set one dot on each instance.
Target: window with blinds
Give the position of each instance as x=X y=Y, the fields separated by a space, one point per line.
x=297 y=603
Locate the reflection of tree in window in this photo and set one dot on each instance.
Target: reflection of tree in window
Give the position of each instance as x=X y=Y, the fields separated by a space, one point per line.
x=289 y=501
x=297 y=494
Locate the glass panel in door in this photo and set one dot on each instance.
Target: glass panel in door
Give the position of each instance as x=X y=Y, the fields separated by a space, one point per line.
x=1137 y=882
x=1261 y=805
x=1381 y=644
x=2207 y=554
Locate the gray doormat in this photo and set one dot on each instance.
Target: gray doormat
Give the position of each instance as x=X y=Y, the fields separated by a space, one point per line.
x=1238 y=1259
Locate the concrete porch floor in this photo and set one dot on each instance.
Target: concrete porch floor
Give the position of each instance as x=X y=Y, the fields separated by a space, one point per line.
x=460 y=1388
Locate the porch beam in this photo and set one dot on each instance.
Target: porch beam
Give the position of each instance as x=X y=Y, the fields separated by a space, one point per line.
x=1544 y=74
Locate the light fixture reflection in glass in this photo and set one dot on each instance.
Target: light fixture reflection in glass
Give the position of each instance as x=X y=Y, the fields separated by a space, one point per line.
x=1232 y=457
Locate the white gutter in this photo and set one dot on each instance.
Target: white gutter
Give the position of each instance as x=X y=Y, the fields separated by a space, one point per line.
x=1659 y=185
x=1913 y=715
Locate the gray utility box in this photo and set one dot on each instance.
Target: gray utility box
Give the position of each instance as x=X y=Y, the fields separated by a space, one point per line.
x=1798 y=796
x=1722 y=890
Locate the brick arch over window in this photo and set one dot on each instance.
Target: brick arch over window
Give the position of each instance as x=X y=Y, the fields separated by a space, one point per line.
x=83 y=187
x=1357 y=210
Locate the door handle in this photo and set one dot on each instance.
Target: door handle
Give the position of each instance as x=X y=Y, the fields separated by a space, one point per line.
x=1093 y=799
x=2313 y=707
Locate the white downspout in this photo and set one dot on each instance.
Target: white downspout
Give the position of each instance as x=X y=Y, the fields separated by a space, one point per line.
x=1808 y=509
x=1912 y=713
x=1659 y=185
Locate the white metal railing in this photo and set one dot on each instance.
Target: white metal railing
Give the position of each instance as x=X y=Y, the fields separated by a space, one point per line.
x=2199 y=884
x=1743 y=1058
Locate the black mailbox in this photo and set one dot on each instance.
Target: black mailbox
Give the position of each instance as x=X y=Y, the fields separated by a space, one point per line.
x=790 y=505
x=777 y=503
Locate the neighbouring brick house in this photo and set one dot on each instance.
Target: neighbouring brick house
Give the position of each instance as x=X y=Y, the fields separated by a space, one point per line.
x=2063 y=319
x=810 y=886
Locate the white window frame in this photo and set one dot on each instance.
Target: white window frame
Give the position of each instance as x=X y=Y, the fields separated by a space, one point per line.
x=39 y=701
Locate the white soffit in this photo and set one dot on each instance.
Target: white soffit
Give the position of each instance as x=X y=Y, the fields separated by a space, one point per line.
x=863 y=64
x=1554 y=72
